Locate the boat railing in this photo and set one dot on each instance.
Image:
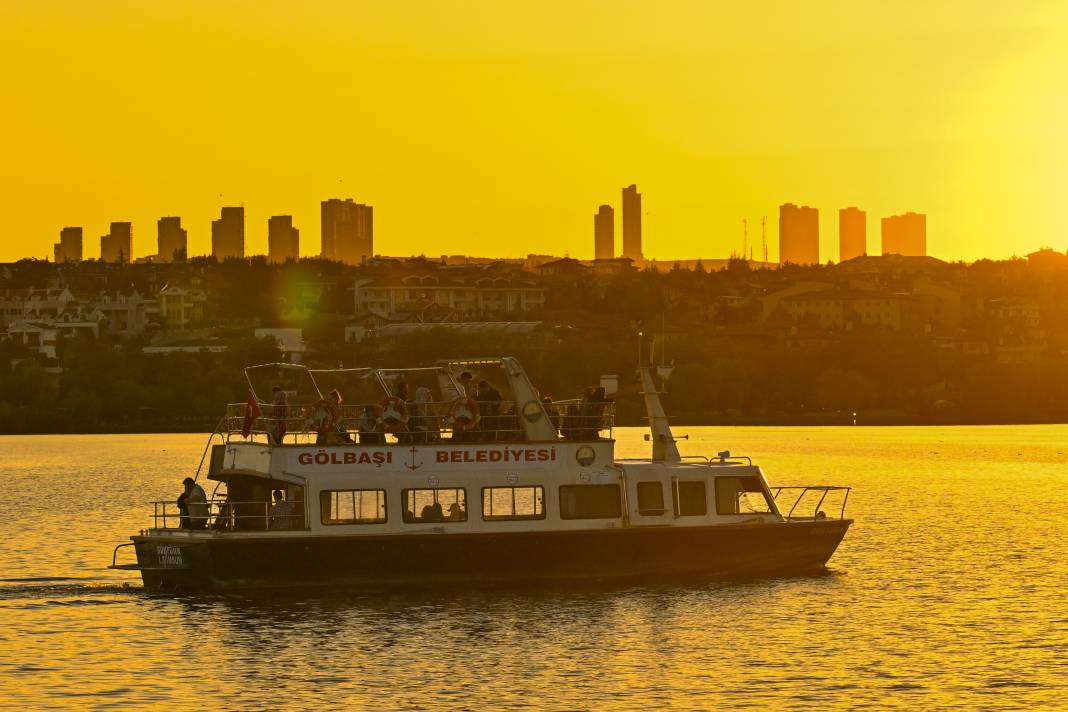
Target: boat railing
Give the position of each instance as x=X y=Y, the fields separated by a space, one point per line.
x=416 y=422
x=809 y=503
x=225 y=515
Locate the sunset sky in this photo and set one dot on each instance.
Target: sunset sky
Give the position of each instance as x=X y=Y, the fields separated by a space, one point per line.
x=496 y=128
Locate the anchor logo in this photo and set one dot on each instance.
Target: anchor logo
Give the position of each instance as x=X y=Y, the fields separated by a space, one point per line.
x=412 y=464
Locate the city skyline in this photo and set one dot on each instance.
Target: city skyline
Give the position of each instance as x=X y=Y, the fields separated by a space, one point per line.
x=432 y=110
x=347 y=235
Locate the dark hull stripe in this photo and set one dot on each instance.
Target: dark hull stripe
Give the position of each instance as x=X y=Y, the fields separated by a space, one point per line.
x=384 y=561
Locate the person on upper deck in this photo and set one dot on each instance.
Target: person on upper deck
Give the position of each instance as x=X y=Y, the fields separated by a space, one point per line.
x=368 y=427
x=196 y=505
x=489 y=405
x=281 y=515
x=593 y=405
x=421 y=420
x=277 y=414
x=395 y=416
x=551 y=411
x=463 y=384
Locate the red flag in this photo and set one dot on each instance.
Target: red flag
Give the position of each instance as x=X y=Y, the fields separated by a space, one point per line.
x=252 y=414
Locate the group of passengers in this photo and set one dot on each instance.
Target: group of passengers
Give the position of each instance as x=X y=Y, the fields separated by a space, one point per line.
x=193 y=510
x=475 y=415
x=435 y=513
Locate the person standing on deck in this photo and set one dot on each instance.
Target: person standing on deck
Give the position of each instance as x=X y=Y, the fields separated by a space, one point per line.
x=278 y=413
x=196 y=504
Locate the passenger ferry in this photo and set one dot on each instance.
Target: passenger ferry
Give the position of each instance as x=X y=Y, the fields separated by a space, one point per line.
x=384 y=477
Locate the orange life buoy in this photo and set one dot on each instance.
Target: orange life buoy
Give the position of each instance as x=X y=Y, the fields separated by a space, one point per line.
x=464 y=414
x=393 y=413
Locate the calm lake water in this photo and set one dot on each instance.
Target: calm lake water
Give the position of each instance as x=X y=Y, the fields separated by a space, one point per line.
x=951 y=589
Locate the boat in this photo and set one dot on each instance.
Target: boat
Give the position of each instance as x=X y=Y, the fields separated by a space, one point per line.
x=375 y=478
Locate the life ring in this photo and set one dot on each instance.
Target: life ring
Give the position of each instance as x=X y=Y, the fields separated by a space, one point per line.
x=323 y=416
x=393 y=414
x=464 y=414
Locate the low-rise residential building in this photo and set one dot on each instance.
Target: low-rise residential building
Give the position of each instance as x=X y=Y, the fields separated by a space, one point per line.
x=35 y=336
x=181 y=307
x=473 y=294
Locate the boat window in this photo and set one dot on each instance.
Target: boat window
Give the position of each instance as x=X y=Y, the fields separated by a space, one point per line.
x=589 y=502
x=690 y=499
x=353 y=506
x=741 y=495
x=435 y=505
x=502 y=503
x=650 y=499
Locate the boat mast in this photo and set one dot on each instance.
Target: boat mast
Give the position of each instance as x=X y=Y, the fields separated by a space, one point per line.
x=664 y=448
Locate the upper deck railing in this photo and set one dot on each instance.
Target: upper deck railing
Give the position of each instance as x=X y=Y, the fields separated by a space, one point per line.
x=455 y=400
x=384 y=422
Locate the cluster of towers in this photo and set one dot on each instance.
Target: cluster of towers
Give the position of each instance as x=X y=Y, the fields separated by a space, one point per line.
x=604 y=227
x=347 y=236
x=799 y=234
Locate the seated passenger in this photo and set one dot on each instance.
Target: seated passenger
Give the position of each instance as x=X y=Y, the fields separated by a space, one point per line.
x=456 y=512
x=222 y=521
x=432 y=513
x=281 y=516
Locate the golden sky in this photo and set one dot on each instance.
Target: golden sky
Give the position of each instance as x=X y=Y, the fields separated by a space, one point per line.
x=496 y=128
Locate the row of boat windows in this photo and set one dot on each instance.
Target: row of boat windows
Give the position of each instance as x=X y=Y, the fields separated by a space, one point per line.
x=734 y=495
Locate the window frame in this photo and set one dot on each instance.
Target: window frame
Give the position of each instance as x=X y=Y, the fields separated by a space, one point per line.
x=652 y=511
x=446 y=520
x=619 y=500
x=347 y=522
x=676 y=499
x=763 y=490
x=538 y=489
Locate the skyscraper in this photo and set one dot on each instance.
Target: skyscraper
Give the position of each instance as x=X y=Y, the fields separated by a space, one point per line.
x=632 y=223
x=228 y=234
x=117 y=245
x=283 y=240
x=172 y=243
x=905 y=234
x=69 y=247
x=799 y=234
x=604 y=233
x=852 y=233
x=347 y=231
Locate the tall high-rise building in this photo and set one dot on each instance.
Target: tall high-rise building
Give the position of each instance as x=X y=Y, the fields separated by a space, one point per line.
x=172 y=242
x=632 y=223
x=347 y=231
x=69 y=247
x=799 y=234
x=905 y=234
x=604 y=233
x=228 y=234
x=117 y=245
x=852 y=233
x=283 y=240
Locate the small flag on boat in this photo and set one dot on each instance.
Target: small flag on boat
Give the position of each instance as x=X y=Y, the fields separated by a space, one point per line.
x=252 y=413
